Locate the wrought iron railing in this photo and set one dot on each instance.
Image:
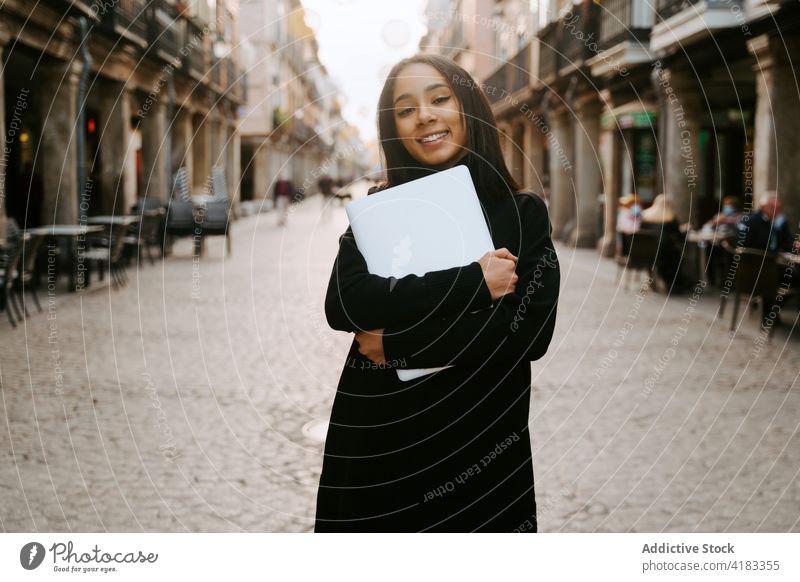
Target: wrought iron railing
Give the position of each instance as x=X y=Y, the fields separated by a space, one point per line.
x=549 y=57
x=616 y=25
x=667 y=8
x=165 y=31
x=511 y=76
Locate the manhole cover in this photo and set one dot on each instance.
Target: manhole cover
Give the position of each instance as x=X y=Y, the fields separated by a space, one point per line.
x=316 y=430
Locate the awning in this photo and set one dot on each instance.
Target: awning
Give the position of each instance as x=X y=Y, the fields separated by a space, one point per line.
x=630 y=115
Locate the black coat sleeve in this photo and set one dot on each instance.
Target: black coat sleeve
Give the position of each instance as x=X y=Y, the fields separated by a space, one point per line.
x=357 y=300
x=519 y=327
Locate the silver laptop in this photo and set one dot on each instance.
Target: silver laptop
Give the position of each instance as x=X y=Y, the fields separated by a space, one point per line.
x=428 y=224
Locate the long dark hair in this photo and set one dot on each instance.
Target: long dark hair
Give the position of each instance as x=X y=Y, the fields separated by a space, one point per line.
x=484 y=157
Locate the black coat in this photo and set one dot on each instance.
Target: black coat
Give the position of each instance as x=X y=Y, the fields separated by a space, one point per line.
x=449 y=451
x=756 y=230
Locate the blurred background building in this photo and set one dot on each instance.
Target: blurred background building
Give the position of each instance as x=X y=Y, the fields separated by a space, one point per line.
x=108 y=102
x=293 y=125
x=600 y=99
x=104 y=101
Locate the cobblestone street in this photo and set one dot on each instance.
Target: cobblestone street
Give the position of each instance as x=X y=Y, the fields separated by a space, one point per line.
x=178 y=402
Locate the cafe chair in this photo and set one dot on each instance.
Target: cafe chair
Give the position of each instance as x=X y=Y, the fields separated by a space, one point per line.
x=180 y=221
x=9 y=271
x=27 y=281
x=106 y=254
x=146 y=234
x=215 y=221
x=752 y=273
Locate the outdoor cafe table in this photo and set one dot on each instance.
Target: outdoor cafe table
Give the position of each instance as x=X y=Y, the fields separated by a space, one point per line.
x=71 y=234
x=704 y=240
x=111 y=221
x=114 y=219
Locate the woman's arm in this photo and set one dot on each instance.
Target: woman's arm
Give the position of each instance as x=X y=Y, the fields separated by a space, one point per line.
x=357 y=300
x=519 y=327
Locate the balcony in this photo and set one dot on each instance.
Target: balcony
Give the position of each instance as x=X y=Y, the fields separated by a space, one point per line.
x=235 y=84
x=684 y=21
x=577 y=31
x=127 y=19
x=548 y=53
x=165 y=30
x=454 y=41
x=512 y=76
x=625 y=21
x=302 y=133
x=74 y=8
x=216 y=73
x=195 y=48
x=281 y=121
x=623 y=36
x=230 y=72
x=667 y=8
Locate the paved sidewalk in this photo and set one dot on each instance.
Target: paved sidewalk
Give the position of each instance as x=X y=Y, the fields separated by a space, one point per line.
x=177 y=403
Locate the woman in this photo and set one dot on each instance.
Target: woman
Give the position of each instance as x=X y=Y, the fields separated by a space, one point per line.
x=449 y=451
x=661 y=219
x=629 y=216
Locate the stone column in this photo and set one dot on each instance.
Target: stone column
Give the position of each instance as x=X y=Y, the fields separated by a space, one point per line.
x=219 y=127
x=59 y=87
x=154 y=155
x=115 y=141
x=505 y=143
x=201 y=151
x=263 y=176
x=518 y=155
x=587 y=173
x=562 y=203
x=534 y=165
x=182 y=141
x=680 y=148
x=776 y=155
x=5 y=37
x=611 y=185
x=233 y=171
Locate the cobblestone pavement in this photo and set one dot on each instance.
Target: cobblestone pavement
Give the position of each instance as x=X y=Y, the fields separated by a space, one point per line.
x=178 y=402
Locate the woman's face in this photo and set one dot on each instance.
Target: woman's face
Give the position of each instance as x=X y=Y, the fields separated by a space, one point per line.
x=428 y=117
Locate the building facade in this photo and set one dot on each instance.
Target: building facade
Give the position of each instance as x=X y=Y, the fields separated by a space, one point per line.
x=292 y=126
x=105 y=101
x=608 y=98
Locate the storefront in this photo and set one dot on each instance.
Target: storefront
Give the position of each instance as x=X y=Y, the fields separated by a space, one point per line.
x=637 y=155
x=726 y=154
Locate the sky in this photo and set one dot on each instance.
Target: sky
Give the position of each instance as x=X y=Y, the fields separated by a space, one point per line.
x=359 y=41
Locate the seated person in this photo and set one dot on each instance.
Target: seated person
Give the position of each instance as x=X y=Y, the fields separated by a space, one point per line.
x=729 y=214
x=661 y=219
x=629 y=214
x=765 y=229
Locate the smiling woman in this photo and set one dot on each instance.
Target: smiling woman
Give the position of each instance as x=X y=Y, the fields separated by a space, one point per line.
x=428 y=118
x=449 y=451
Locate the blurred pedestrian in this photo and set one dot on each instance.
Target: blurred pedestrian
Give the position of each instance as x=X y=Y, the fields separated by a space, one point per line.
x=661 y=219
x=326 y=185
x=283 y=193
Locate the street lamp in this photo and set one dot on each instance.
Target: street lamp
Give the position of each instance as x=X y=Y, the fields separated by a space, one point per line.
x=221 y=48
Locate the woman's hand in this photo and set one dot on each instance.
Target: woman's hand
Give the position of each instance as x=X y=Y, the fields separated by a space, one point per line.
x=499 y=272
x=370 y=344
